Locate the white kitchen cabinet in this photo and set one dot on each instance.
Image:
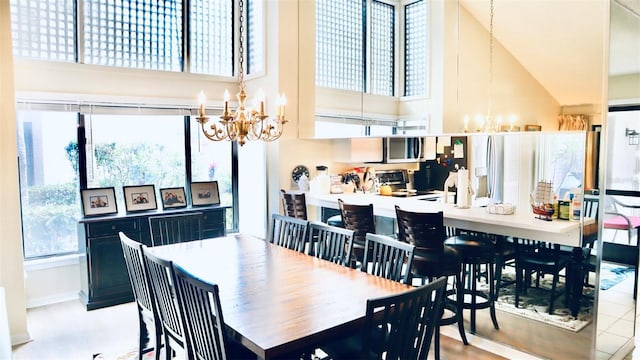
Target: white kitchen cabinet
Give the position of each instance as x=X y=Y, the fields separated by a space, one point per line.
x=357 y=150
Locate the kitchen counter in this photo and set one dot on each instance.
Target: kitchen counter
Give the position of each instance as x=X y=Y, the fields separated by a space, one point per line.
x=522 y=223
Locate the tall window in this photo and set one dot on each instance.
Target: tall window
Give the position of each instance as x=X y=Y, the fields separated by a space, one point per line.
x=49 y=189
x=416 y=47
x=340 y=44
x=382 y=48
x=142 y=34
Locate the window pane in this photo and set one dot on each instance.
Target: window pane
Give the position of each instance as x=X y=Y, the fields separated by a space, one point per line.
x=339 y=44
x=255 y=36
x=416 y=48
x=135 y=150
x=143 y=34
x=211 y=42
x=47 y=151
x=382 y=48
x=43 y=30
x=212 y=161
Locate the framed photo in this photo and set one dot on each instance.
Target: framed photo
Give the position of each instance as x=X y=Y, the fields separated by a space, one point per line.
x=140 y=198
x=173 y=198
x=205 y=193
x=533 y=128
x=99 y=201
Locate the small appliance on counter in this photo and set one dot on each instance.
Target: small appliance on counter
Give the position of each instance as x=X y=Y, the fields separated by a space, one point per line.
x=433 y=173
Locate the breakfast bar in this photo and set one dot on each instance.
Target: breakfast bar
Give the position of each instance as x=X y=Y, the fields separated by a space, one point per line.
x=521 y=224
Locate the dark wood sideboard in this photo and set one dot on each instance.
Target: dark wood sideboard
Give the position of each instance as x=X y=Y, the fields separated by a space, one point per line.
x=103 y=276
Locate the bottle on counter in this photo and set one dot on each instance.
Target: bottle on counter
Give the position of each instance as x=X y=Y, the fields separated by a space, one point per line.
x=321 y=183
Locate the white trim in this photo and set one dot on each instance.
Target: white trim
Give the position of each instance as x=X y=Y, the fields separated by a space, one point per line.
x=52 y=299
x=51 y=262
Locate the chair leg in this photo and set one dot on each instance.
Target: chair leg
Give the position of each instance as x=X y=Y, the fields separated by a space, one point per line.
x=141 y=334
x=459 y=307
x=436 y=343
x=519 y=281
x=492 y=296
x=553 y=292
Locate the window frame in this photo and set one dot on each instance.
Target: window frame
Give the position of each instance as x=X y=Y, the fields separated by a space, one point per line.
x=81 y=137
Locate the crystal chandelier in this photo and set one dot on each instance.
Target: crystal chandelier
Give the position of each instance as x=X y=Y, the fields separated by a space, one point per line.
x=243 y=124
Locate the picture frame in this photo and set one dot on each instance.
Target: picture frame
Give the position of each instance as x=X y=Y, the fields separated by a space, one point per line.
x=205 y=193
x=509 y=128
x=99 y=201
x=533 y=128
x=173 y=198
x=140 y=198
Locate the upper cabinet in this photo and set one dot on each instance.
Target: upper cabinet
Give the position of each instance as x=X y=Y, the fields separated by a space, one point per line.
x=416 y=68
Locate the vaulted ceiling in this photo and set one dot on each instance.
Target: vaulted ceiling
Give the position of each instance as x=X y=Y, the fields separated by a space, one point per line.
x=560 y=42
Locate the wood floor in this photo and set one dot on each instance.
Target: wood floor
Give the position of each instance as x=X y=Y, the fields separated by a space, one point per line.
x=67 y=331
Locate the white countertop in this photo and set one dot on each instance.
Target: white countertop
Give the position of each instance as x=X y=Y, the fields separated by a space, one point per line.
x=523 y=223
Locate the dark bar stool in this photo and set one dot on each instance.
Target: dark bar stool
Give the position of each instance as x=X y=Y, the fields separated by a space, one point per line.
x=295 y=204
x=360 y=219
x=432 y=259
x=476 y=251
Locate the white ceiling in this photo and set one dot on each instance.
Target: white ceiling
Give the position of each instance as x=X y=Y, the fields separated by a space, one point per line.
x=560 y=42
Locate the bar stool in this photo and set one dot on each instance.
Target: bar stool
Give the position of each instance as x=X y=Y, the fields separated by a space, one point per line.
x=476 y=251
x=432 y=259
x=360 y=219
x=295 y=204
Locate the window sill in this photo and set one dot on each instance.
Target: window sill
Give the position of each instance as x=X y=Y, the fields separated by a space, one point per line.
x=51 y=262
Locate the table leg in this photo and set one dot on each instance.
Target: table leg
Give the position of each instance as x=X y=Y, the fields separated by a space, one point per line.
x=574 y=280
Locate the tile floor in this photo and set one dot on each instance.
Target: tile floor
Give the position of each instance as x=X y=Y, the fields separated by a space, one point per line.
x=616 y=313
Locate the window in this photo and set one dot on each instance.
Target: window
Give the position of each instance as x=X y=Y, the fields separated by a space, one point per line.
x=125 y=146
x=134 y=150
x=49 y=190
x=142 y=34
x=339 y=44
x=44 y=29
x=356 y=47
x=382 y=48
x=416 y=49
x=211 y=52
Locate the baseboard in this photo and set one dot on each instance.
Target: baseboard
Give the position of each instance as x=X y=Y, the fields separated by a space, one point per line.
x=53 y=299
x=20 y=339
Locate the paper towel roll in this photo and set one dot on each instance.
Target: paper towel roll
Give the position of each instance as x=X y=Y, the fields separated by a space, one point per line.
x=463 y=194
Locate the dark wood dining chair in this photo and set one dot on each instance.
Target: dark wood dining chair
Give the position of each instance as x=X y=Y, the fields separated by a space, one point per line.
x=537 y=257
x=388 y=258
x=199 y=304
x=175 y=228
x=330 y=243
x=294 y=203
x=161 y=276
x=288 y=232
x=145 y=301
x=397 y=327
x=361 y=220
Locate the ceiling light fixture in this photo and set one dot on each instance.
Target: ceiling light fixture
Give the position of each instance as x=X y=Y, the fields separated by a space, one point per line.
x=243 y=124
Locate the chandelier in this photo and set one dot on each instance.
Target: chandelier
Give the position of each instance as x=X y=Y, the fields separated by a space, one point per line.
x=244 y=123
x=489 y=123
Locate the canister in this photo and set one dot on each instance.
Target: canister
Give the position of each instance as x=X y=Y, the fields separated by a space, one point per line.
x=563 y=209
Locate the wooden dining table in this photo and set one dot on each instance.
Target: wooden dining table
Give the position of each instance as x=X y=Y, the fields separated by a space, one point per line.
x=277 y=301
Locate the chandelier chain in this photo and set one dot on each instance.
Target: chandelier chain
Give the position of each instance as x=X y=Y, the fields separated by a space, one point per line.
x=241 y=43
x=490 y=55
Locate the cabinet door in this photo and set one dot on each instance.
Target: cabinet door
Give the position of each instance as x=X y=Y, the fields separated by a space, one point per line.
x=214 y=223
x=109 y=275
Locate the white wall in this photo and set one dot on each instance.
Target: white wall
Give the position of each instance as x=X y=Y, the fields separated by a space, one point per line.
x=11 y=274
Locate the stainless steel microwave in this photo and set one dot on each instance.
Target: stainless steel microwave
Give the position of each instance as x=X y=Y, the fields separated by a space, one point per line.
x=404 y=149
